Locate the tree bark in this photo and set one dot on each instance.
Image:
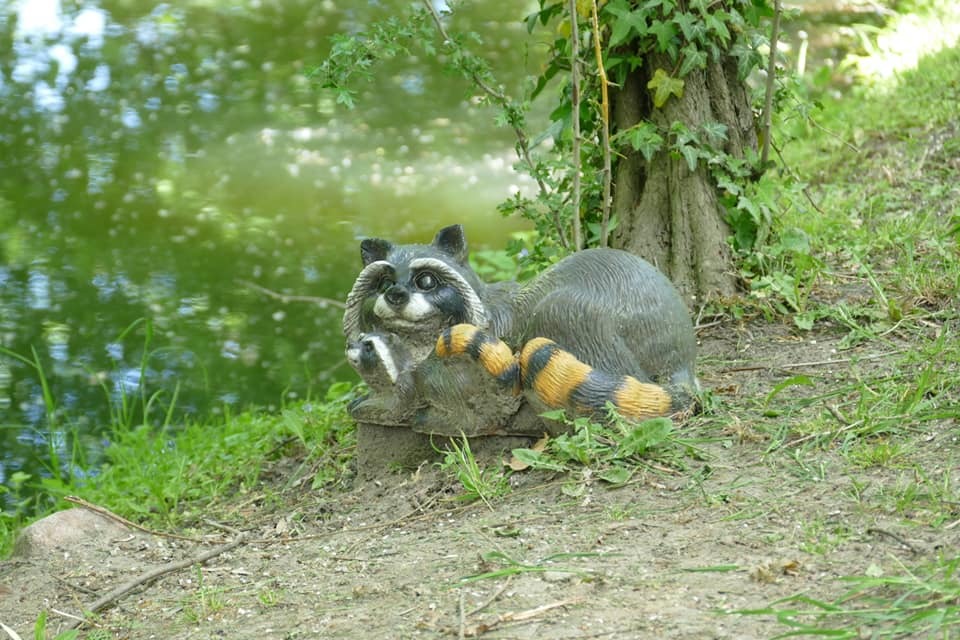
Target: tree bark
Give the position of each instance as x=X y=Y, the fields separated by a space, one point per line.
x=667 y=213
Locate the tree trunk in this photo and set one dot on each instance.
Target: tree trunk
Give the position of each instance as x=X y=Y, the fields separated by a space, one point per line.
x=667 y=213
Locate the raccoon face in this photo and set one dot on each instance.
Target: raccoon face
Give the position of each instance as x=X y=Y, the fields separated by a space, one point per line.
x=415 y=290
x=375 y=358
x=422 y=295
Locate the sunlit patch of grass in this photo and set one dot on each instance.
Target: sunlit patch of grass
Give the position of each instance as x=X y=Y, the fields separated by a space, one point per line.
x=872 y=418
x=174 y=476
x=610 y=450
x=883 y=453
x=920 y=602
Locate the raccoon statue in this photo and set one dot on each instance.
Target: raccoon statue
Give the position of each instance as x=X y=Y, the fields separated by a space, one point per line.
x=384 y=363
x=607 y=309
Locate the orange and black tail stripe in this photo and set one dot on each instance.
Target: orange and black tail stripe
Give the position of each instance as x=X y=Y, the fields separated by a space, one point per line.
x=560 y=380
x=492 y=353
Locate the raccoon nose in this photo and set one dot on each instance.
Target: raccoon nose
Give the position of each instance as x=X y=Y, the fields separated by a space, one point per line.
x=396 y=295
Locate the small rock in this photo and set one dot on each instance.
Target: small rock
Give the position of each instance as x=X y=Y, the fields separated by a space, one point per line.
x=68 y=529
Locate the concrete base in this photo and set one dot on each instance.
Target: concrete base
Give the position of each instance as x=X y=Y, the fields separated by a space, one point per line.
x=382 y=449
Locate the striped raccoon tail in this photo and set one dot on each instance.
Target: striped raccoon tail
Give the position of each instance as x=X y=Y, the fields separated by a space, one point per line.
x=492 y=353
x=561 y=381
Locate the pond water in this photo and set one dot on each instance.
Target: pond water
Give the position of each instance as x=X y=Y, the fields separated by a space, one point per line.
x=163 y=164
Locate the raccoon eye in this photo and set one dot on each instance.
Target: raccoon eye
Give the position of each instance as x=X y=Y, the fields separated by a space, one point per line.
x=426 y=281
x=384 y=284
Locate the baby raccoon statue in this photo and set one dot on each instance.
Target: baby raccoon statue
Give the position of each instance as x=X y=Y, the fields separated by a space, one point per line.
x=609 y=310
x=435 y=394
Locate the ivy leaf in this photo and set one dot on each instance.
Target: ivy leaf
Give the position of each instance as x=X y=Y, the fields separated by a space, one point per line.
x=645 y=139
x=668 y=5
x=693 y=58
x=665 y=32
x=626 y=22
x=691 y=154
x=689 y=25
x=620 y=32
x=716 y=22
x=725 y=183
x=716 y=131
x=663 y=87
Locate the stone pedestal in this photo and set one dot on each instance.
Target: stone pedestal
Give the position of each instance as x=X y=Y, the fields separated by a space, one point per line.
x=381 y=449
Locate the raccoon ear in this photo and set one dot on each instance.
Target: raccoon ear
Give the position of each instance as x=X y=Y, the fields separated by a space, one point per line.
x=451 y=240
x=373 y=249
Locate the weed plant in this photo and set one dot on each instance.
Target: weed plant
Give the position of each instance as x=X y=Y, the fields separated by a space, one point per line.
x=478 y=483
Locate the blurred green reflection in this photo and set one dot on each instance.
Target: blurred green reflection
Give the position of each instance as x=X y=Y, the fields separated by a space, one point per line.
x=155 y=159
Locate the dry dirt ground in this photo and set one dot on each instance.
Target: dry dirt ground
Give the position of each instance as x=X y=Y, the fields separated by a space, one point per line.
x=670 y=555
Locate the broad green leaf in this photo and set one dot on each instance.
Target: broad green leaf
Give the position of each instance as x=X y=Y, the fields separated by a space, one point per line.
x=646 y=435
x=689 y=24
x=627 y=21
x=645 y=139
x=795 y=240
x=665 y=32
x=663 y=86
x=616 y=475
x=716 y=22
x=691 y=154
x=620 y=32
x=536 y=460
x=716 y=131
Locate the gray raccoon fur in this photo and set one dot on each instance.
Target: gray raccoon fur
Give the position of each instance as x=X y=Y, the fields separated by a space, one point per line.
x=609 y=308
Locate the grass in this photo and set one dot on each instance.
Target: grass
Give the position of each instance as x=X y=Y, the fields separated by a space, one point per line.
x=170 y=476
x=882 y=168
x=923 y=602
x=478 y=483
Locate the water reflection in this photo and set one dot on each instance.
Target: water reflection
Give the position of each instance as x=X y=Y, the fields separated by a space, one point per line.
x=155 y=160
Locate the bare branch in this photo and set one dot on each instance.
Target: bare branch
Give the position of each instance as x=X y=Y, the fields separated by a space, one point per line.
x=575 y=118
x=771 y=77
x=523 y=144
x=106 y=513
x=153 y=574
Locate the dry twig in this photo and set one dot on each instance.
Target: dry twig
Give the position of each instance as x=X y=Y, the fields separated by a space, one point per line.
x=523 y=145
x=493 y=598
x=103 y=511
x=517 y=616
x=815 y=363
x=889 y=534
x=153 y=574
